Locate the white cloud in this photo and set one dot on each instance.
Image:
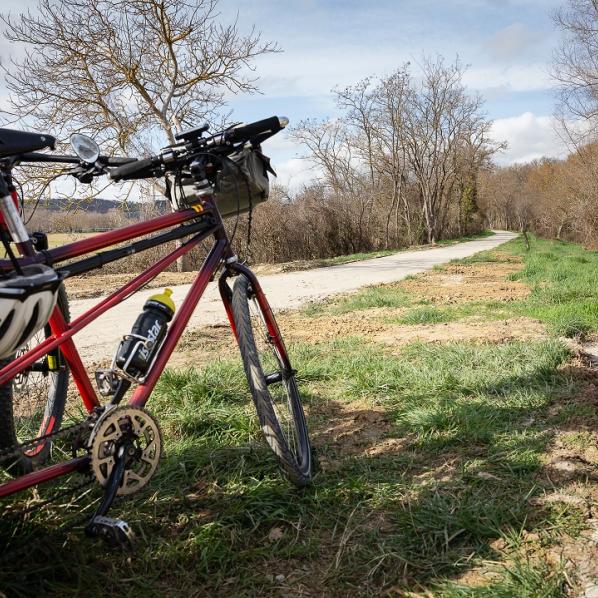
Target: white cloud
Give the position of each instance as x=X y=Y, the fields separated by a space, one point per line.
x=532 y=77
x=295 y=173
x=529 y=137
x=510 y=42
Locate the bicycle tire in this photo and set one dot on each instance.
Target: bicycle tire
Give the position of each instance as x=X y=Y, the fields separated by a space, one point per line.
x=32 y=404
x=292 y=449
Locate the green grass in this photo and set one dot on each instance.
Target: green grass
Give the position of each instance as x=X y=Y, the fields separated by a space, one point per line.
x=522 y=579
x=481 y=257
x=357 y=257
x=368 y=298
x=368 y=523
x=563 y=278
x=481 y=235
x=427 y=314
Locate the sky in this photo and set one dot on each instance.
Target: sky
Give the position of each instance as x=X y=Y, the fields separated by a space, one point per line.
x=507 y=45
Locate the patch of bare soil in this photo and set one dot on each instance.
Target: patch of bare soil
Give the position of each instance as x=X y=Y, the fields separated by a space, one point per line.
x=372 y=325
x=469 y=329
x=472 y=282
x=457 y=283
x=87 y=287
x=342 y=430
x=298 y=328
x=202 y=346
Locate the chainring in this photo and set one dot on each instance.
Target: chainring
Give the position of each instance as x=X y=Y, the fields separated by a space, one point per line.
x=138 y=433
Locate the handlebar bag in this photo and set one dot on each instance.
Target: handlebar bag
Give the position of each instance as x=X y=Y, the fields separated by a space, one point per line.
x=241 y=183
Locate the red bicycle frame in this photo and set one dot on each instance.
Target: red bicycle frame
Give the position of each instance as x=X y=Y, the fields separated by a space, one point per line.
x=202 y=221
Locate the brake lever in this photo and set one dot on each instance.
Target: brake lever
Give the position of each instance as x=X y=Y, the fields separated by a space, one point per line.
x=85 y=173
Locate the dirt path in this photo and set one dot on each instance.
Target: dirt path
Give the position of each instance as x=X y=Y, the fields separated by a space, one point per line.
x=288 y=290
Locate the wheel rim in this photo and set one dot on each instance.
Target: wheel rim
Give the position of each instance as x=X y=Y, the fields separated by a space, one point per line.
x=31 y=392
x=38 y=396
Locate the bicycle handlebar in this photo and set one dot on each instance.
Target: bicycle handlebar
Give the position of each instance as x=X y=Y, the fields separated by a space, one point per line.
x=244 y=132
x=145 y=167
x=133 y=170
x=64 y=159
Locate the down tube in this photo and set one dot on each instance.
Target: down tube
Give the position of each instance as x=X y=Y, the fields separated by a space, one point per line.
x=19 y=364
x=141 y=395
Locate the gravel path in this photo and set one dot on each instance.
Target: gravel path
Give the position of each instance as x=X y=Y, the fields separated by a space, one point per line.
x=286 y=290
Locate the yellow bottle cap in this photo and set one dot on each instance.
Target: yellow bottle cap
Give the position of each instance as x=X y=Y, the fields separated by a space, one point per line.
x=165 y=299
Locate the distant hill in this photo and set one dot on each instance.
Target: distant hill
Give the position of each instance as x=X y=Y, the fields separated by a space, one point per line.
x=101 y=206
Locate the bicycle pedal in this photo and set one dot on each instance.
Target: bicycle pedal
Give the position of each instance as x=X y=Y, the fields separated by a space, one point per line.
x=107 y=382
x=115 y=532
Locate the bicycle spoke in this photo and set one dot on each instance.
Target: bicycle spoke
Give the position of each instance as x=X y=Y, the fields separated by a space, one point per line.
x=272 y=365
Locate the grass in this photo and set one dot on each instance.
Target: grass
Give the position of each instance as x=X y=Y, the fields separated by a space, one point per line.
x=427 y=314
x=357 y=257
x=220 y=518
x=563 y=278
x=58 y=239
x=480 y=235
x=367 y=298
x=523 y=578
x=429 y=460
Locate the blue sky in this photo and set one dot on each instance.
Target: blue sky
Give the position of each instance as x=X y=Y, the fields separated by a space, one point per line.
x=507 y=44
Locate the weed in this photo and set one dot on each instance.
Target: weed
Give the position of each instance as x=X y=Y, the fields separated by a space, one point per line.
x=425 y=315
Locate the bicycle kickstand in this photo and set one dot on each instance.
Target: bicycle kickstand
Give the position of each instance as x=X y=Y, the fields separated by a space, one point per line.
x=115 y=532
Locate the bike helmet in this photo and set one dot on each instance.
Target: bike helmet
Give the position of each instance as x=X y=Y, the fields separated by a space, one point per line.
x=26 y=304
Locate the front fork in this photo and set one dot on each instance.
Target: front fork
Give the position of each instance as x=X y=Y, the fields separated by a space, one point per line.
x=235 y=268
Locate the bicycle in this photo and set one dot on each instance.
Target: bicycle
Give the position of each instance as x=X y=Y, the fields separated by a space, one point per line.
x=119 y=444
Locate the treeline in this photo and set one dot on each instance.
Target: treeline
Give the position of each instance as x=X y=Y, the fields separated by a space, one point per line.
x=78 y=218
x=398 y=165
x=557 y=198
x=552 y=198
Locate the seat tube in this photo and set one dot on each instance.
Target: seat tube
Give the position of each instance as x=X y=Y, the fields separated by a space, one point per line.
x=58 y=325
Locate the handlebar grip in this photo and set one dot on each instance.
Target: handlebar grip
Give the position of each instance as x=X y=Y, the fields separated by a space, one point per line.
x=244 y=132
x=116 y=160
x=133 y=169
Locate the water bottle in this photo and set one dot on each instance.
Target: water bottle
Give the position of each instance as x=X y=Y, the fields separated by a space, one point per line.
x=137 y=350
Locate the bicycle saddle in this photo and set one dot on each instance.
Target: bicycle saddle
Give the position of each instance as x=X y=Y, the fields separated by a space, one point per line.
x=20 y=142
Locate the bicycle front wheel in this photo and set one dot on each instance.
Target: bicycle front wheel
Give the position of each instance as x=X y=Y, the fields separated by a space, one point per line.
x=32 y=403
x=272 y=384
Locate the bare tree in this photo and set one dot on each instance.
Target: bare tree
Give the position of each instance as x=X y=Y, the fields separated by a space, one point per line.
x=391 y=153
x=441 y=121
x=130 y=72
x=576 y=68
x=405 y=148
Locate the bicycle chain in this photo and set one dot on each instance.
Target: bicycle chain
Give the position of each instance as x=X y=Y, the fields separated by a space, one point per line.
x=17 y=450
